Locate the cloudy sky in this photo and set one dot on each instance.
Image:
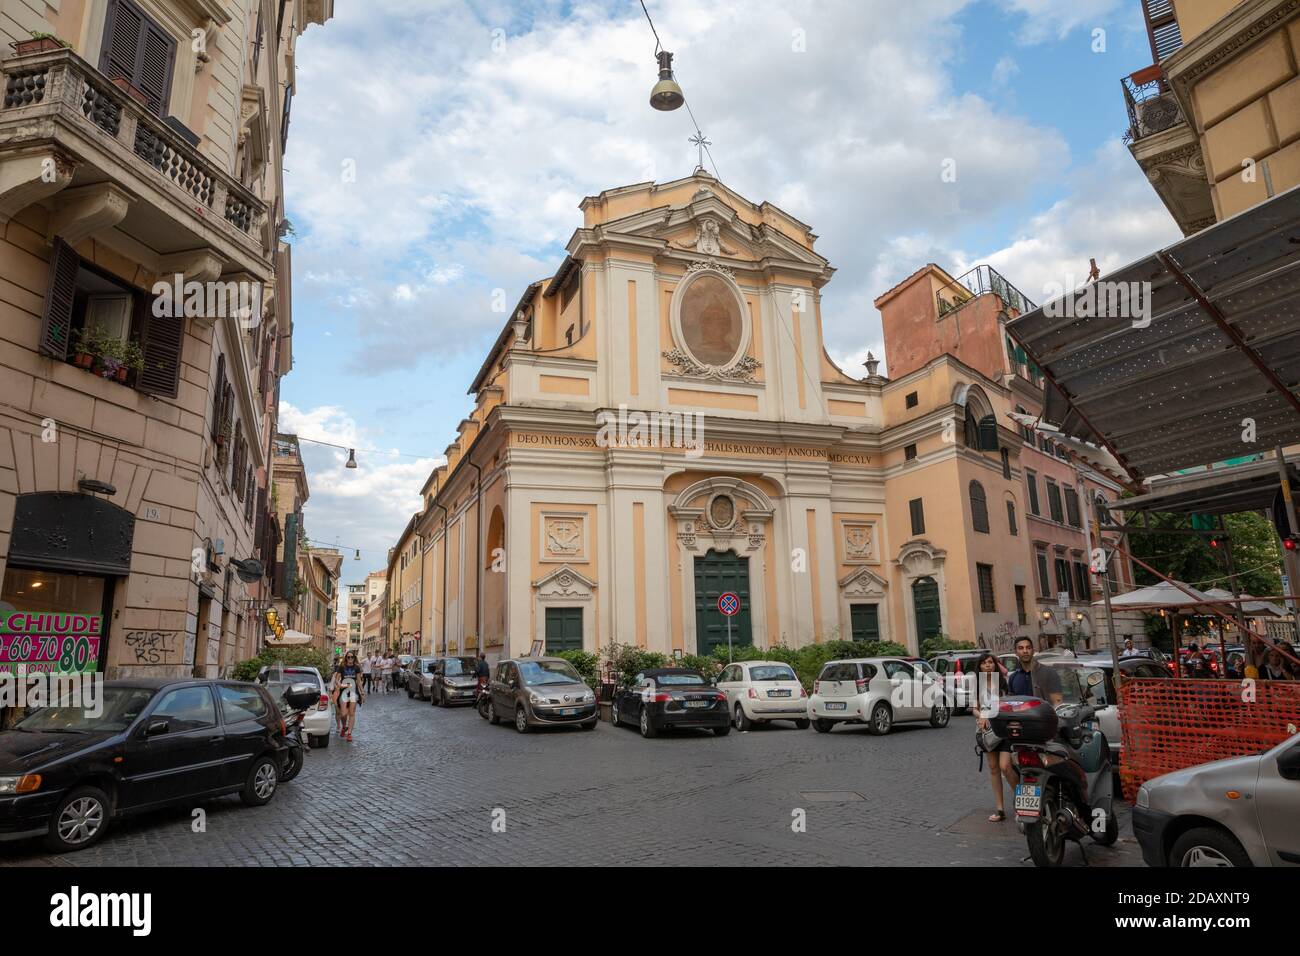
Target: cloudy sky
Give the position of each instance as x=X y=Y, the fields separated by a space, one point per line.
x=438 y=152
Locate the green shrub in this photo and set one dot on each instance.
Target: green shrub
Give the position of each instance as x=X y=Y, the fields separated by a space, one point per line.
x=940 y=643
x=302 y=656
x=586 y=664
x=628 y=660
x=706 y=665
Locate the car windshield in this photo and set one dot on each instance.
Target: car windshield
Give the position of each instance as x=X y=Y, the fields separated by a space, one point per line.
x=1061 y=680
x=772 y=672
x=120 y=706
x=459 y=666
x=548 y=672
x=677 y=680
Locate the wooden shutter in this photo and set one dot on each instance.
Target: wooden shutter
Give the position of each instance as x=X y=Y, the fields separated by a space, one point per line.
x=163 y=341
x=154 y=69
x=218 y=391
x=259 y=532
x=56 y=324
x=138 y=49
x=979 y=511
x=123 y=29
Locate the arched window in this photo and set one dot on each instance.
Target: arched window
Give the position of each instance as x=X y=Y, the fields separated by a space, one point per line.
x=972 y=429
x=496 y=537
x=1011 y=518
x=979 y=510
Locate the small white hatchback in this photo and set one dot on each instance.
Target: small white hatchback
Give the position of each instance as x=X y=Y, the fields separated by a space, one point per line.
x=762 y=691
x=878 y=692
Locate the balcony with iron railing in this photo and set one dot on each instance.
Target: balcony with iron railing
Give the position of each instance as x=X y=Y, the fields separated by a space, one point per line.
x=985 y=280
x=93 y=133
x=1152 y=107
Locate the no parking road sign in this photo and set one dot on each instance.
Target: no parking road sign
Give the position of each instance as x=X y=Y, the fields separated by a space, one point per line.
x=729 y=603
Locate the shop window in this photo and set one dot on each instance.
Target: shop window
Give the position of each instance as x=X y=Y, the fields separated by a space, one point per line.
x=75 y=605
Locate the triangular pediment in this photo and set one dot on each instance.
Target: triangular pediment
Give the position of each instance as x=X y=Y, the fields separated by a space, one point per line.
x=709 y=225
x=864 y=582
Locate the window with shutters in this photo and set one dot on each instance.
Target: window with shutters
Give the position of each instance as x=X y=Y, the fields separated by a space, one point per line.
x=218 y=392
x=1031 y=482
x=988 y=605
x=1054 y=501
x=909 y=453
x=1063 y=576
x=1044 y=584
x=137 y=49
x=1006 y=464
x=917 y=508
x=1072 y=508
x=1011 y=518
x=1084 y=588
x=1022 y=616
x=1162 y=28
x=95 y=321
x=979 y=511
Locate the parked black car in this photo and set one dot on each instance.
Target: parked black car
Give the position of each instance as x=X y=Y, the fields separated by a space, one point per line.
x=453 y=681
x=671 y=697
x=67 y=775
x=539 y=692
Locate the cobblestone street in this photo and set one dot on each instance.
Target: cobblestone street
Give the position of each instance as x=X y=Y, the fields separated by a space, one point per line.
x=419 y=785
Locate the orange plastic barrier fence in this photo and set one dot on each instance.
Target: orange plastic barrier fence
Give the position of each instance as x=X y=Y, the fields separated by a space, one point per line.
x=1172 y=724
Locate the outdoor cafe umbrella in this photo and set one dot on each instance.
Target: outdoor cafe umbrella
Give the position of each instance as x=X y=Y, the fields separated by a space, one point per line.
x=291 y=638
x=1166 y=594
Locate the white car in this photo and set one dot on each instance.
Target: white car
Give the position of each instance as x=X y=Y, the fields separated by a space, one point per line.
x=762 y=691
x=878 y=692
x=317 y=723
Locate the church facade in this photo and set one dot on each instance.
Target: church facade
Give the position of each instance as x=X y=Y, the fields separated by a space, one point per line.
x=659 y=423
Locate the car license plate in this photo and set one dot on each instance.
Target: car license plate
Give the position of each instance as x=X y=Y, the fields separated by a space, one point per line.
x=568 y=711
x=778 y=693
x=1029 y=800
x=836 y=705
x=697 y=703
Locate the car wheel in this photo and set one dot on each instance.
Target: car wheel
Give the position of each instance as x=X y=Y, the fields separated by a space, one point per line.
x=1206 y=846
x=492 y=713
x=882 y=719
x=260 y=785
x=319 y=741
x=590 y=725
x=802 y=724
x=648 y=728
x=823 y=725
x=939 y=715
x=80 y=820
x=722 y=731
x=521 y=719
x=743 y=723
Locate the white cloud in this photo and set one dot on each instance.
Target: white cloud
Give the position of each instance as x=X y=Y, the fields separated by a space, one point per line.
x=365 y=507
x=1045 y=20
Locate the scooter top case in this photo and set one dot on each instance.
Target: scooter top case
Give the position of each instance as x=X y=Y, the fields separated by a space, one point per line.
x=1025 y=720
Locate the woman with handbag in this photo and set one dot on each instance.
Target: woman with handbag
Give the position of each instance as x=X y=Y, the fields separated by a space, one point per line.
x=990 y=687
x=347 y=693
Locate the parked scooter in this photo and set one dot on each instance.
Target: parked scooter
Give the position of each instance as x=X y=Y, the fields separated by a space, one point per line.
x=299 y=699
x=483 y=699
x=1066 y=788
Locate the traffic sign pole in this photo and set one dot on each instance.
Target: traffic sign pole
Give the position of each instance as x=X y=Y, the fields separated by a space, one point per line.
x=729 y=606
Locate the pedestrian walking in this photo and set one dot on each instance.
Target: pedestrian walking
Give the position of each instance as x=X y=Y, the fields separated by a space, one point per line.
x=990 y=687
x=367 y=671
x=347 y=692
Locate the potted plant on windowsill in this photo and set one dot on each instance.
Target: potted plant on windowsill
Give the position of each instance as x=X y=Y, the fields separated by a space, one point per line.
x=40 y=43
x=125 y=358
x=83 y=348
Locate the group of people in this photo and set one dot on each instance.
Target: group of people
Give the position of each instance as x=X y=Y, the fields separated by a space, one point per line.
x=353 y=678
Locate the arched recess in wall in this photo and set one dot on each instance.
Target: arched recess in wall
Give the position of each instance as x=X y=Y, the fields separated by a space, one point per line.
x=496 y=537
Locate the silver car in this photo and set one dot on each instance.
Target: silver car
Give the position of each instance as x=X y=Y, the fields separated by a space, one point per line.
x=1236 y=812
x=419 y=677
x=454 y=681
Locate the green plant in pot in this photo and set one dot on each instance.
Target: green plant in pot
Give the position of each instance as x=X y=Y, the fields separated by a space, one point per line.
x=84 y=343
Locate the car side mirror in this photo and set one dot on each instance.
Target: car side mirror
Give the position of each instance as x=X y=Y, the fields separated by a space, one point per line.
x=1288 y=765
x=156 y=728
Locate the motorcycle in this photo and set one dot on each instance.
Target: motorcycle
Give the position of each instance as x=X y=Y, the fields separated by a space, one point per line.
x=1066 y=788
x=483 y=699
